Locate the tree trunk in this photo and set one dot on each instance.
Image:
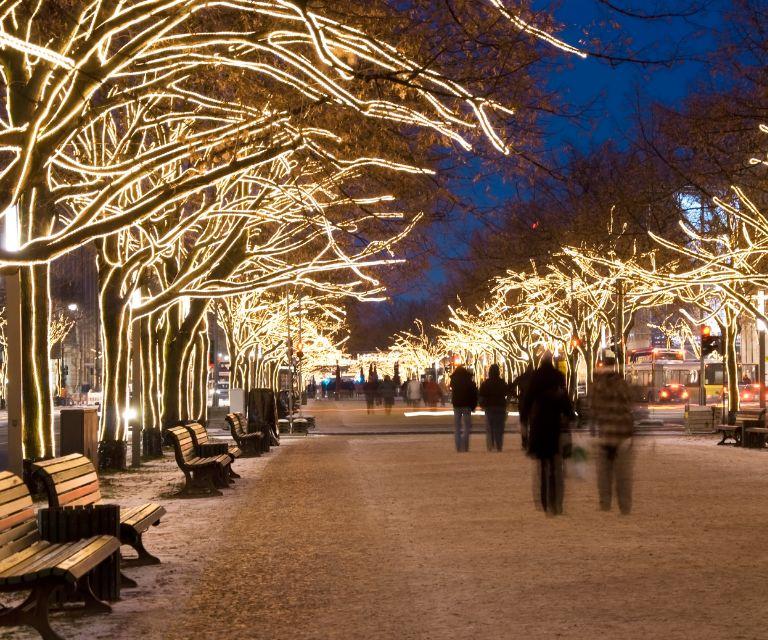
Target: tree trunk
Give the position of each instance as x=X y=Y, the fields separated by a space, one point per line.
x=200 y=377
x=36 y=400
x=150 y=417
x=115 y=322
x=179 y=340
x=729 y=330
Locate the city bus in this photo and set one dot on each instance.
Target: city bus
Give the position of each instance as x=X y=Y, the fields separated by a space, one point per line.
x=649 y=370
x=649 y=378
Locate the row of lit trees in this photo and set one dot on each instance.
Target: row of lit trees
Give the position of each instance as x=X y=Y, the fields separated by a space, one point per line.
x=586 y=298
x=203 y=147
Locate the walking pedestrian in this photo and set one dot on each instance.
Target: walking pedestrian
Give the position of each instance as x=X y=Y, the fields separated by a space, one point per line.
x=387 y=389
x=464 y=400
x=432 y=393
x=610 y=403
x=369 y=390
x=519 y=389
x=548 y=408
x=445 y=392
x=493 y=399
x=376 y=385
x=413 y=392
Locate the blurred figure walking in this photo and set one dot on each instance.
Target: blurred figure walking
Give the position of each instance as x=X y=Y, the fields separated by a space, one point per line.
x=610 y=405
x=369 y=390
x=520 y=388
x=464 y=400
x=493 y=399
x=413 y=392
x=431 y=392
x=548 y=408
x=387 y=389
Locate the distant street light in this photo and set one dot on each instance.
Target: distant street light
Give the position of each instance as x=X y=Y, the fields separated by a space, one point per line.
x=72 y=306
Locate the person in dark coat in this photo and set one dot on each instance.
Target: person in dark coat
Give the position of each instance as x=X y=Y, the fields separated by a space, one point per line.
x=548 y=408
x=464 y=400
x=493 y=399
x=369 y=390
x=519 y=389
x=387 y=389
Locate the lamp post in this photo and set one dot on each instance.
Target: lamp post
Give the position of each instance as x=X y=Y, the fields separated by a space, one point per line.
x=72 y=308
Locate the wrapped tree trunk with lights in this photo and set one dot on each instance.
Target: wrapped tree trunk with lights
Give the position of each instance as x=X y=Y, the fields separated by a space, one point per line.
x=152 y=446
x=115 y=323
x=37 y=409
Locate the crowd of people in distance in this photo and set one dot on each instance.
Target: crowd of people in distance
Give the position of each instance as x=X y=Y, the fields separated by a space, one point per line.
x=546 y=414
x=428 y=390
x=413 y=391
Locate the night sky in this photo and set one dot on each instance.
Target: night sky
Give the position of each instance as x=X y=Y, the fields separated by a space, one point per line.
x=606 y=93
x=614 y=88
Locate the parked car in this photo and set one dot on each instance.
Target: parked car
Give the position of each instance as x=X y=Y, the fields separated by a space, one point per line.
x=748 y=392
x=673 y=393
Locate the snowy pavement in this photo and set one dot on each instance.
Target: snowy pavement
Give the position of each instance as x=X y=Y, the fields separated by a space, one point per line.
x=397 y=536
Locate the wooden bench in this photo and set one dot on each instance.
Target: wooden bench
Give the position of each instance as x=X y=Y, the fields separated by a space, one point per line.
x=207 y=474
x=71 y=481
x=207 y=447
x=249 y=443
x=699 y=419
x=754 y=435
x=736 y=432
x=27 y=562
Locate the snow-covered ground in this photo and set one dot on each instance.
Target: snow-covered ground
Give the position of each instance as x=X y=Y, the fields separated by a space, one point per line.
x=400 y=537
x=191 y=529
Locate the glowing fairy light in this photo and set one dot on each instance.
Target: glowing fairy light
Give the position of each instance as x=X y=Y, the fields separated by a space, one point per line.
x=171 y=180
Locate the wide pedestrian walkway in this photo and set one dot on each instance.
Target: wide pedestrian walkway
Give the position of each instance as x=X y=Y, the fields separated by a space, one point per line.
x=400 y=537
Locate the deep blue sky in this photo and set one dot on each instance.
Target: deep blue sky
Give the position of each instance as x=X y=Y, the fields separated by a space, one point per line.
x=613 y=88
x=606 y=93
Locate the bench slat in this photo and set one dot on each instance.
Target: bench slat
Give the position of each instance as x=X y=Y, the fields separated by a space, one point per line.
x=83 y=561
x=145 y=519
x=47 y=558
x=12 y=561
x=55 y=461
x=68 y=465
x=83 y=495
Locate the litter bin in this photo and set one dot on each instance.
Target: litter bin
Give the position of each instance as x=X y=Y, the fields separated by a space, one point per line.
x=80 y=433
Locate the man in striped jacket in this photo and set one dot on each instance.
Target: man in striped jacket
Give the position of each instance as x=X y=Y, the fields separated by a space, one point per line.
x=610 y=412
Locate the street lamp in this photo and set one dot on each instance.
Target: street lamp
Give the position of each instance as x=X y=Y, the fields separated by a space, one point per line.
x=63 y=372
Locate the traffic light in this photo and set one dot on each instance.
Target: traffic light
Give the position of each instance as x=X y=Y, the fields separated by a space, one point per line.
x=575 y=342
x=710 y=343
